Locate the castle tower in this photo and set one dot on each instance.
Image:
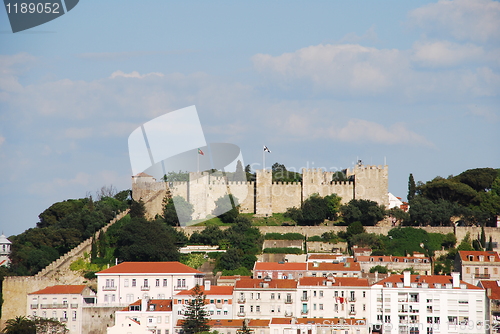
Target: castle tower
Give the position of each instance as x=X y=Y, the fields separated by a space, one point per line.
x=4 y=250
x=263 y=206
x=371 y=183
x=197 y=194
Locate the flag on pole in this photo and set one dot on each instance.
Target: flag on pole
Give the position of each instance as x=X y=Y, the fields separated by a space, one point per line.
x=266 y=149
x=200 y=152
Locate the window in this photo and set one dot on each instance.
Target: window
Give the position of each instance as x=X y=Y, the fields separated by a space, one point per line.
x=157 y=282
x=321 y=293
x=387 y=319
x=129 y=298
x=164 y=282
x=74 y=316
x=218 y=312
x=364 y=294
x=467 y=270
x=321 y=307
x=113 y=297
x=364 y=307
x=105 y=298
x=125 y=282
x=314 y=307
x=258 y=295
x=336 y=307
x=257 y=308
x=242 y=309
x=314 y=293
x=225 y=312
x=145 y=282
x=158 y=320
x=352 y=308
x=251 y=308
x=279 y=295
x=336 y=293
x=150 y=320
x=167 y=319
x=134 y=282
x=272 y=295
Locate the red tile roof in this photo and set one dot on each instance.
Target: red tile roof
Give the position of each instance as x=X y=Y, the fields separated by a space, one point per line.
x=162 y=305
x=287 y=321
x=268 y=266
x=323 y=256
x=464 y=255
x=233 y=277
x=495 y=289
x=233 y=323
x=432 y=280
x=384 y=258
x=319 y=266
x=150 y=268
x=60 y=289
x=273 y=284
x=214 y=290
x=338 y=281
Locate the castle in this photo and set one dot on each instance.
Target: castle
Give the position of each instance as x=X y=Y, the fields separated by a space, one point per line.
x=263 y=197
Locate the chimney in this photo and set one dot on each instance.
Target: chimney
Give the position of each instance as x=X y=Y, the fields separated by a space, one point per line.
x=376 y=276
x=406 y=278
x=144 y=304
x=488 y=292
x=456 y=279
x=207 y=285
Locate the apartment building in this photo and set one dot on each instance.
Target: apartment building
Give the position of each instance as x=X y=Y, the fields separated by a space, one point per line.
x=478 y=265
x=427 y=304
x=218 y=301
x=222 y=326
x=264 y=298
x=279 y=270
x=348 y=268
x=492 y=289
x=341 y=297
x=317 y=326
x=61 y=302
x=129 y=281
x=144 y=316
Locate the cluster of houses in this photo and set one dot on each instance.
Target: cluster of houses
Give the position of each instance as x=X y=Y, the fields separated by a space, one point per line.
x=326 y=294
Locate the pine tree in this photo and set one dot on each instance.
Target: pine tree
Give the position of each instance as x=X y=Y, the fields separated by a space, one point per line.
x=245 y=329
x=490 y=244
x=483 y=237
x=93 y=249
x=411 y=188
x=137 y=209
x=196 y=316
x=102 y=244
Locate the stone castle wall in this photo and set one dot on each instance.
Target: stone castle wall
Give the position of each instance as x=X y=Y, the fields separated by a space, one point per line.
x=264 y=197
x=15 y=288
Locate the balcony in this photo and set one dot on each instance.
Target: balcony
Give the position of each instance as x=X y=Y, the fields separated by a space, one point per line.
x=414 y=311
x=34 y=306
x=482 y=276
x=352 y=300
x=304 y=298
x=288 y=314
x=241 y=300
x=74 y=305
x=63 y=319
x=145 y=288
x=53 y=306
x=109 y=288
x=304 y=312
x=352 y=313
x=288 y=301
x=241 y=314
x=402 y=310
x=379 y=300
x=180 y=287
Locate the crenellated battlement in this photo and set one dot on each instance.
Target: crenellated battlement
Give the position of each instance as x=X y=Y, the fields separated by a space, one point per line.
x=265 y=197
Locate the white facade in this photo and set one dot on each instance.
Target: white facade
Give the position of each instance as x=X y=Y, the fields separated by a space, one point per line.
x=4 y=250
x=61 y=302
x=129 y=281
x=427 y=304
x=144 y=316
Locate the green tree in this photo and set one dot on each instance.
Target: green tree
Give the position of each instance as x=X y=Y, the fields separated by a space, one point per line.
x=142 y=240
x=93 y=249
x=449 y=240
x=479 y=179
x=226 y=208
x=137 y=209
x=196 y=316
x=483 y=237
x=398 y=215
x=490 y=244
x=466 y=244
x=314 y=210
x=353 y=229
x=244 y=328
x=20 y=325
x=449 y=190
x=333 y=205
x=380 y=269
x=176 y=176
x=367 y=212
x=412 y=188
x=102 y=245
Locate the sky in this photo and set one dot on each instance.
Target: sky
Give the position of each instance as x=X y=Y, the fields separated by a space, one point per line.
x=414 y=84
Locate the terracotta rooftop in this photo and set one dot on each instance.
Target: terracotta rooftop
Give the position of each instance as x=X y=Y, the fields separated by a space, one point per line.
x=150 y=268
x=326 y=321
x=352 y=266
x=60 y=289
x=214 y=290
x=238 y=323
x=280 y=266
x=323 y=256
x=495 y=289
x=432 y=280
x=337 y=281
x=465 y=255
x=384 y=258
x=258 y=283
x=161 y=305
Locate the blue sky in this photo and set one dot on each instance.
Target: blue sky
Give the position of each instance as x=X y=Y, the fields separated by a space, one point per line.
x=321 y=83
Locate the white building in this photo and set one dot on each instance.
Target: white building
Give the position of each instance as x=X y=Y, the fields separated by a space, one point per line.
x=341 y=297
x=317 y=326
x=129 y=281
x=427 y=304
x=5 y=250
x=144 y=316
x=478 y=265
x=61 y=302
x=218 y=300
x=264 y=298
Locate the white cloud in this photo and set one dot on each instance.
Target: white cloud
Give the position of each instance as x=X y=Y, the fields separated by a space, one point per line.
x=475 y=20
x=488 y=113
x=445 y=53
x=134 y=74
x=348 y=67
